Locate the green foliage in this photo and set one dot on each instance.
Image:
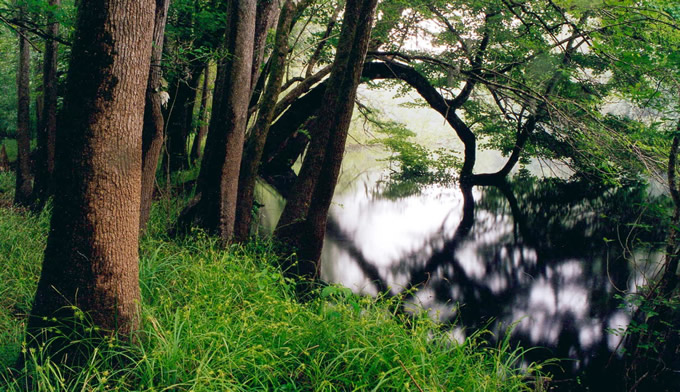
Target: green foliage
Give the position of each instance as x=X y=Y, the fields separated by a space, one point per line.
x=23 y=241
x=11 y=148
x=193 y=36
x=215 y=320
x=8 y=90
x=38 y=12
x=651 y=341
x=319 y=14
x=413 y=162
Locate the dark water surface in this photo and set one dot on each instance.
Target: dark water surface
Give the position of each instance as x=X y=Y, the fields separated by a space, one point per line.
x=554 y=257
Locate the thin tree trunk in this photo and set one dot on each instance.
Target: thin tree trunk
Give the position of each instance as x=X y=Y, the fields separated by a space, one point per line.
x=214 y=207
x=267 y=14
x=47 y=125
x=91 y=259
x=669 y=276
x=302 y=88
x=447 y=108
x=180 y=119
x=303 y=221
x=522 y=138
x=253 y=150
x=203 y=118
x=4 y=160
x=23 y=189
x=283 y=148
x=322 y=43
x=647 y=363
x=152 y=132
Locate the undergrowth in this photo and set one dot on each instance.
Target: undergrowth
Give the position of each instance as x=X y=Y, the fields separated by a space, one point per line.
x=215 y=320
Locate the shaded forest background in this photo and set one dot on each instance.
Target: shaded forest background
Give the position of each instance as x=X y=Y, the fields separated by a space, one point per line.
x=106 y=106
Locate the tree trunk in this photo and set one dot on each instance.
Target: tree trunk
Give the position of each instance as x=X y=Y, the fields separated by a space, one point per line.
x=522 y=138
x=252 y=155
x=152 y=132
x=4 y=161
x=302 y=88
x=316 y=56
x=91 y=259
x=214 y=207
x=43 y=187
x=394 y=70
x=669 y=277
x=267 y=14
x=203 y=116
x=22 y=192
x=285 y=144
x=303 y=222
x=180 y=117
x=656 y=345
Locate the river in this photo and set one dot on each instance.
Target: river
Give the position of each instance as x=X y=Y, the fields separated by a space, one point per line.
x=547 y=260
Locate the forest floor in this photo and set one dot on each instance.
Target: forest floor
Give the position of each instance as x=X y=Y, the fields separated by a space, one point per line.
x=216 y=320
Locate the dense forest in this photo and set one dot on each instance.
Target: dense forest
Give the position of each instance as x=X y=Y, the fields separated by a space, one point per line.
x=137 y=136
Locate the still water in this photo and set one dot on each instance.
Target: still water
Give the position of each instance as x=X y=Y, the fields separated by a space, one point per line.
x=549 y=260
x=553 y=258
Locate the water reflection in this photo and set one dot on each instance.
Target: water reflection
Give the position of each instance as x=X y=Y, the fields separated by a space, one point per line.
x=550 y=255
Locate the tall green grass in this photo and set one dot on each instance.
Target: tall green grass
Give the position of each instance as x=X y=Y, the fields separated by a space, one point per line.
x=215 y=320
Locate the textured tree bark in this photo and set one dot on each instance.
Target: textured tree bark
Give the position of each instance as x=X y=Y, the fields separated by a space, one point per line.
x=267 y=14
x=43 y=186
x=303 y=221
x=252 y=155
x=196 y=148
x=91 y=258
x=214 y=207
x=287 y=139
x=24 y=187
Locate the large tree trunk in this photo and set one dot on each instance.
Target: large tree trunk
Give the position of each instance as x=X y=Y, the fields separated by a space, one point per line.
x=43 y=186
x=152 y=133
x=287 y=139
x=23 y=189
x=303 y=221
x=214 y=207
x=253 y=149
x=91 y=259
x=197 y=147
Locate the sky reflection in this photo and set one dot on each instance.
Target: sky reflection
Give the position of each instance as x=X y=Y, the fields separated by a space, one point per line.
x=486 y=255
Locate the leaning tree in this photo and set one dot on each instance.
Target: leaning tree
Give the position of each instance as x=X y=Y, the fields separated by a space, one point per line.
x=303 y=221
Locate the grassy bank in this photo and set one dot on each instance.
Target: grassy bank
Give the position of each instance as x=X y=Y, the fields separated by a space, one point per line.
x=218 y=320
